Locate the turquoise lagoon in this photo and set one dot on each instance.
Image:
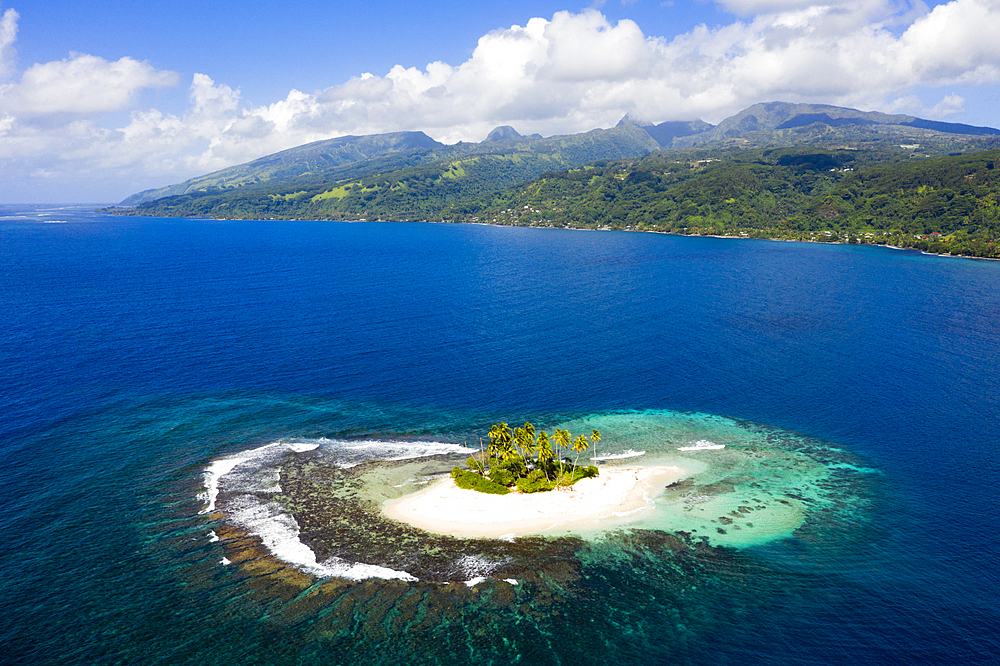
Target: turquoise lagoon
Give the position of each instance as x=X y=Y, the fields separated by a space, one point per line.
x=202 y=419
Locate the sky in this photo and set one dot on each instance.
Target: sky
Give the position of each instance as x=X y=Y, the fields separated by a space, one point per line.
x=99 y=100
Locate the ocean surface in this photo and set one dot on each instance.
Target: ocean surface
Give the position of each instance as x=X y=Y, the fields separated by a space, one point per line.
x=199 y=420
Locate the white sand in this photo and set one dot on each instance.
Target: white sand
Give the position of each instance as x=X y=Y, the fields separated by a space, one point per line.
x=618 y=494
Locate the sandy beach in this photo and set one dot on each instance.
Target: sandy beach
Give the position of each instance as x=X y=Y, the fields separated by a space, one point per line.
x=615 y=495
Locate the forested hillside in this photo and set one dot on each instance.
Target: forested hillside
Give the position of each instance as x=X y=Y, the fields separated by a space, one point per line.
x=310 y=161
x=403 y=181
x=947 y=205
x=774 y=170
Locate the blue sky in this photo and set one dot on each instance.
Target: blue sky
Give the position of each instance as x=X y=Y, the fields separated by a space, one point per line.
x=267 y=48
x=99 y=100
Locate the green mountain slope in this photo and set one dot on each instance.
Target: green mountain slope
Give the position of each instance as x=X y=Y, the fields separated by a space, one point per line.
x=776 y=170
x=947 y=204
x=301 y=161
x=783 y=123
x=404 y=180
x=666 y=133
x=337 y=162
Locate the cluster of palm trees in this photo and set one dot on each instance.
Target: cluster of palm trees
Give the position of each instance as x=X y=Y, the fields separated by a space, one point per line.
x=524 y=453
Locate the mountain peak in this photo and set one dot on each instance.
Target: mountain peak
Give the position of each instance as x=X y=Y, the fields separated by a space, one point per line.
x=664 y=133
x=819 y=120
x=628 y=119
x=502 y=133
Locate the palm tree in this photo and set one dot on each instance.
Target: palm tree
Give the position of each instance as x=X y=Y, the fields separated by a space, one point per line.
x=516 y=438
x=528 y=441
x=562 y=439
x=483 y=460
x=595 y=437
x=500 y=441
x=524 y=438
x=494 y=435
x=580 y=445
x=545 y=453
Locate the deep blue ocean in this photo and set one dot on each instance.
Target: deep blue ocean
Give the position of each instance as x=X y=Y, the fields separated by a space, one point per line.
x=134 y=352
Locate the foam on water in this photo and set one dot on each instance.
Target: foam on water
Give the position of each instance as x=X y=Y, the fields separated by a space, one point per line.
x=619 y=456
x=218 y=469
x=702 y=445
x=472 y=582
x=478 y=569
x=339 y=568
x=475 y=566
x=279 y=533
x=250 y=481
x=754 y=487
x=347 y=453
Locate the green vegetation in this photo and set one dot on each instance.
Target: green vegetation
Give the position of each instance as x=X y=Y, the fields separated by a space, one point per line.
x=787 y=124
x=946 y=205
x=472 y=481
x=402 y=176
x=775 y=170
x=528 y=460
x=303 y=165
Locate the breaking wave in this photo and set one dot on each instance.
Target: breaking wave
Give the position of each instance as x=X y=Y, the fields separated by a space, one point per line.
x=629 y=453
x=250 y=479
x=702 y=445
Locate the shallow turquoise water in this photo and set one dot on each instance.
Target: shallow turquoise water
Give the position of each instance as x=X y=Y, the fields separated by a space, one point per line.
x=860 y=385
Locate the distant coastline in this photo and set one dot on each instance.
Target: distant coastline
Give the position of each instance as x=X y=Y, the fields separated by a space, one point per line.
x=115 y=210
x=696 y=235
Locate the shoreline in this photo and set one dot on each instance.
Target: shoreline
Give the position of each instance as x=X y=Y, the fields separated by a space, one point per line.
x=721 y=236
x=613 y=497
x=108 y=211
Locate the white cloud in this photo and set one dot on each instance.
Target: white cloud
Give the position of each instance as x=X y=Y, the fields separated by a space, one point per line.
x=8 y=35
x=948 y=106
x=578 y=71
x=854 y=7
x=571 y=73
x=80 y=84
x=585 y=47
x=956 y=42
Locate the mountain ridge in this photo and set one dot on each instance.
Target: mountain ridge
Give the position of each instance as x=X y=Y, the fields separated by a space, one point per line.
x=334 y=152
x=326 y=157
x=409 y=175
x=767 y=123
x=773 y=121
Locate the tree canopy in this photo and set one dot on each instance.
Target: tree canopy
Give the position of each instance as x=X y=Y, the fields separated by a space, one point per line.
x=527 y=460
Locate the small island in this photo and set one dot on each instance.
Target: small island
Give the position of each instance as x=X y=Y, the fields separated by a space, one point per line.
x=527 y=460
x=504 y=492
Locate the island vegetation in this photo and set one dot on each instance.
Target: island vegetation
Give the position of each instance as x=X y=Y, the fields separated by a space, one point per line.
x=944 y=205
x=878 y=196
x=527 y=460
x=775 y=170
